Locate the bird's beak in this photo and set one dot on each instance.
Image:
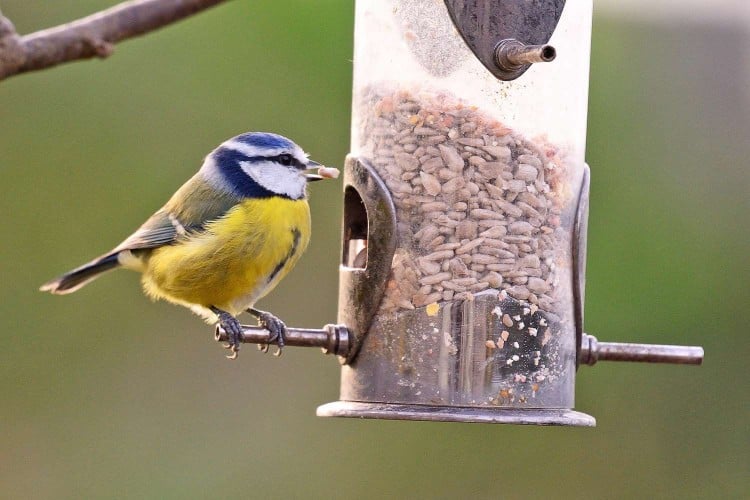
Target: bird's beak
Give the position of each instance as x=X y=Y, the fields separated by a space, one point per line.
x=323 y=172
x=313 y=177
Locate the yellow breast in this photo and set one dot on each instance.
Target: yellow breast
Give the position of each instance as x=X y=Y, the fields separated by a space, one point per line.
x=237 y=260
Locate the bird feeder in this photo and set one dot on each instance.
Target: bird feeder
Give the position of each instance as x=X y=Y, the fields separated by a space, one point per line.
x=465 y=211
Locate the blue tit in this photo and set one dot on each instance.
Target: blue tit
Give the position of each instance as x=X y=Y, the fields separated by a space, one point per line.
x=225 y=238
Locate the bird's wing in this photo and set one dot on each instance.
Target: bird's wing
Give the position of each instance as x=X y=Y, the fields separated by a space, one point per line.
x=186 y=213
x=160 y=229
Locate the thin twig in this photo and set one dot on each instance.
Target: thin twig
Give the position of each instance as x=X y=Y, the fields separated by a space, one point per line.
x=92 y=36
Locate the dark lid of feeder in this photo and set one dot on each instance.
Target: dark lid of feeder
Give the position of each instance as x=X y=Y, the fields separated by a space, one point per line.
x=484 y=23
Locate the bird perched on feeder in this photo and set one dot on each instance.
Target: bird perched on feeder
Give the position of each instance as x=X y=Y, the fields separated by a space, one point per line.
x=225 y=238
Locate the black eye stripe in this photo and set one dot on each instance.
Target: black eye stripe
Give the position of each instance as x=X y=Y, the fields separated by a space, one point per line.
x=279 y=159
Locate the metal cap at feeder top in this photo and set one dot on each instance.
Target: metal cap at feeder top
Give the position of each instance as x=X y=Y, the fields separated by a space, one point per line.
x=507 y=36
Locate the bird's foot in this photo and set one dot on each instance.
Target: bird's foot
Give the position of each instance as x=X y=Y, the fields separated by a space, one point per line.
x=232 y=326
x=275 y=327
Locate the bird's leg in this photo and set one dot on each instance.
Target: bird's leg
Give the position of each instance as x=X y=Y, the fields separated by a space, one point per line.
x=275 y=327
x=232 y=326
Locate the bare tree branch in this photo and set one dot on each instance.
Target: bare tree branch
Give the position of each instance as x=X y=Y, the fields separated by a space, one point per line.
x=92 y=36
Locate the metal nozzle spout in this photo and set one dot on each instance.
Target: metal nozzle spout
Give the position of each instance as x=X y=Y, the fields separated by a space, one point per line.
x=332 y=339
x=592 y=351
x=513 y=56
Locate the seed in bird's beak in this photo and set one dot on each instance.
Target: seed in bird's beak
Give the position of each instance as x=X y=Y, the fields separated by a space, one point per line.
x=323 y=172
x=328 y=172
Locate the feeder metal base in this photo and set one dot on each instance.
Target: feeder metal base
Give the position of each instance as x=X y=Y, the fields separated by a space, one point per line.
x=536 y=416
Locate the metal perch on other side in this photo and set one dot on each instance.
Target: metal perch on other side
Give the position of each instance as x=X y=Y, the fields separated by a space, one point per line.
x=592 y=351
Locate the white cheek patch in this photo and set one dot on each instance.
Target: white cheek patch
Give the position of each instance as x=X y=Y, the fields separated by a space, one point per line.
x=276 y=178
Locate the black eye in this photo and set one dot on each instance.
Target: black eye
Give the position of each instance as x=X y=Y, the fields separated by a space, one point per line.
x=287 y=160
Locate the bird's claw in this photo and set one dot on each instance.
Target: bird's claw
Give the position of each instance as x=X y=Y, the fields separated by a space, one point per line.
x=234 y=333
x=277 y=330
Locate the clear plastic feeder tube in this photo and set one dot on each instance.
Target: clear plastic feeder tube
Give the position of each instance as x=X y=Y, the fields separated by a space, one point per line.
x=485 y=176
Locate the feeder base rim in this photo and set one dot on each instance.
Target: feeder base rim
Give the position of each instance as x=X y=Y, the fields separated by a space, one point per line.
x=390 y=411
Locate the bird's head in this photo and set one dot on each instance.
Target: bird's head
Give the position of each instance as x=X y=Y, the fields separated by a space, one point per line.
x=260 y=164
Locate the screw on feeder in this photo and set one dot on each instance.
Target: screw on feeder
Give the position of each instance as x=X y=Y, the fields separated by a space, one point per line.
x=513 y=56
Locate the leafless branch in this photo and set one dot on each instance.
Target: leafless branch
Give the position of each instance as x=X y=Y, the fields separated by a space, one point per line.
x=92 y=36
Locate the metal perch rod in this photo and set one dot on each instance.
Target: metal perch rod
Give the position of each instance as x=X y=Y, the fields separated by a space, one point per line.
x=332 y=339
x=592 y=351
x=335 y=339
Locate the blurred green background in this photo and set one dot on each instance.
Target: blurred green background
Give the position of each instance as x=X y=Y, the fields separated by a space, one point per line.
x=106 y=395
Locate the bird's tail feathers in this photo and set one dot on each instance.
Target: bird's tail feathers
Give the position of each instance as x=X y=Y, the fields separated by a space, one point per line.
x=80 y=276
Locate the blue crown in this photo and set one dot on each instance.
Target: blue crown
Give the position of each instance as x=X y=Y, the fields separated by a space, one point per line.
x=264 y=140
